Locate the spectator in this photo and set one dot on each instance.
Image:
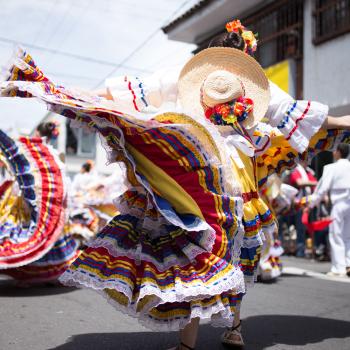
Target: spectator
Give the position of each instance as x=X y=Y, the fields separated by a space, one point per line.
x=302 y=177
x=84 y=178
x=335 y=181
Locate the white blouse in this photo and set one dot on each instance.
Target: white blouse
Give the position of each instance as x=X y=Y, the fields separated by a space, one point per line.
x=298 y=120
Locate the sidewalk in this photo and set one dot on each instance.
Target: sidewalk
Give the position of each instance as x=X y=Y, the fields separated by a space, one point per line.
x=307 y=264
x=309 y=268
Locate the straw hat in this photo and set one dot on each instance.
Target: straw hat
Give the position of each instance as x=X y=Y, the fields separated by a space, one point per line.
x=223 y=74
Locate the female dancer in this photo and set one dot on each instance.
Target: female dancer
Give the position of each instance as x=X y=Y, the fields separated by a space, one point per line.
x=172 y=256
x=292 y=131
x=29 y=222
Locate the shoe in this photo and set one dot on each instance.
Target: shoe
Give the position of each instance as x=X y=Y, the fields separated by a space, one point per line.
x=233 y=337
x=335 y=274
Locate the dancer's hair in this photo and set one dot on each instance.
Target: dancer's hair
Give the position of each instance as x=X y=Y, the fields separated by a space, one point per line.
x=87 y=167
x=47 y=129
x=226 y=39
x=343 y=149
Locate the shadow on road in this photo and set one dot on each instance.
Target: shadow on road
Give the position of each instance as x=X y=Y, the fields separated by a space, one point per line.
x=8 y=288
x=260 y=332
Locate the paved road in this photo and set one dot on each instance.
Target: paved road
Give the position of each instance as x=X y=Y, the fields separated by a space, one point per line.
x=298 y=312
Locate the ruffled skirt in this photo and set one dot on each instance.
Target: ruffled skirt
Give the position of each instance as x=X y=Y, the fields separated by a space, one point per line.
x=173 y=252
x=32 y=220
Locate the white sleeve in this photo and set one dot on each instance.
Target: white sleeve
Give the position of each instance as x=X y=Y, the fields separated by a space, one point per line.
x=297 y=120
x=323 y=186
x=76 y=183
x=140 y=94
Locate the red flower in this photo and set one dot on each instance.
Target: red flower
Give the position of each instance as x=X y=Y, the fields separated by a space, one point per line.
x=222 y=109
x=209 y=112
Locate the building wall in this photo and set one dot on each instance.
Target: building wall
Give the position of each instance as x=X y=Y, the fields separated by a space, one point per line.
x=73 y=162
x=326 y=68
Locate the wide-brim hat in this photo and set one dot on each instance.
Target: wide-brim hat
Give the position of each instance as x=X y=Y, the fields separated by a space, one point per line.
x=245 y=68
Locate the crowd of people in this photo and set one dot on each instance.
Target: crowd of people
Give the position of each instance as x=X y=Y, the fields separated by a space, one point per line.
x=198 y=221
x=309 y=224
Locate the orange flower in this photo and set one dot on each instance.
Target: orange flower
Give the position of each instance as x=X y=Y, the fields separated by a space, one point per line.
x=223 y=110
x=239 y=108
x=234 y=26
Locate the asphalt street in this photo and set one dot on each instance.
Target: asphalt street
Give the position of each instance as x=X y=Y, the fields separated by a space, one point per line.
x=303 y=310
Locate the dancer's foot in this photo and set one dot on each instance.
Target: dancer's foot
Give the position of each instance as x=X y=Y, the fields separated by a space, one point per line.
x=233 y=336
x=188 y=335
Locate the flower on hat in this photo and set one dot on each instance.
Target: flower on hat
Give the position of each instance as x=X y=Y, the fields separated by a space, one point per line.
x=234 y=26
x=239 y=108
x=229 y=113
x=223 y=109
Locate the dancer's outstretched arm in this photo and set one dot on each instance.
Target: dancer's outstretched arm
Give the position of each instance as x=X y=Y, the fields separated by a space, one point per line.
x=337 y=122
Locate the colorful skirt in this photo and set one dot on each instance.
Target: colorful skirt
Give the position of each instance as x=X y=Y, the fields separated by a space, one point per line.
x=51 y=266
x=173 y=252
x=31 y=221
x=270 y=265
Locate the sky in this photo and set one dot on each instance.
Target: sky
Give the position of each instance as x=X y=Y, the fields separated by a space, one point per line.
x=80 y=43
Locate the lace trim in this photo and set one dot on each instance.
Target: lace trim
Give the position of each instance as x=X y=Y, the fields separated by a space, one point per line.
x=232 y=282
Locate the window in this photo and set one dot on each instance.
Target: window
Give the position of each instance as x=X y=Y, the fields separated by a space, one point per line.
x=331 y=18
x=280 y=30
x=80 y=142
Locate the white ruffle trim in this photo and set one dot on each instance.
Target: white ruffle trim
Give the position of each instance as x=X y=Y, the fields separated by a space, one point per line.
x=233 y=282
x=219 y=314
x=269 y=273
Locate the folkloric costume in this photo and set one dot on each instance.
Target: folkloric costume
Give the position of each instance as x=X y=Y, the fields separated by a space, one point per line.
x=291 y=132
x=33 y=245
x=279 y=197
x=173 y=252
x=193 y=218
x=91 y=204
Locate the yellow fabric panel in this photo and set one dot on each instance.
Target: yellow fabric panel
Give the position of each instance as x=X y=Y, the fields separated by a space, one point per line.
x=167 y=187
x=279 y=74
x=246 y=174
x=280 y=149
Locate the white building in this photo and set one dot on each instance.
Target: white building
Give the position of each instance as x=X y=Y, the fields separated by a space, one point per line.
x=79 y=145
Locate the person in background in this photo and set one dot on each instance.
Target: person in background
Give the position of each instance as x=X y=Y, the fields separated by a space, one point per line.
x=335 y=180
x=49 y=130
x=302 y=177
x=35 y=245
x=84 y=178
